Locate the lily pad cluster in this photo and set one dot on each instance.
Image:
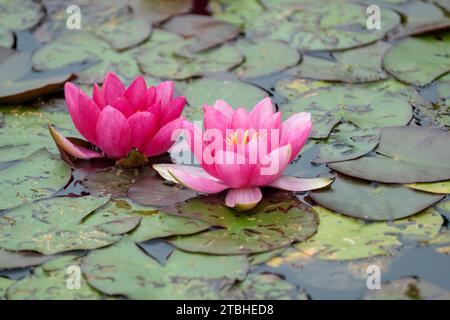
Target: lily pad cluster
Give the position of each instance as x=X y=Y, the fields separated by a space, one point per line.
x=380 y=106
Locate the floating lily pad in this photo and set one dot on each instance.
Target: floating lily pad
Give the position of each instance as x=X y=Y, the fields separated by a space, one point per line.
x=353 y=66
x=237 y=12
x=18 y=82
x=11 y=259
x=208 y=90
x=20 y=14
x=265 y=57
x=150 y=190
x=258 y=258
x=157 y=36
x=344 y=238
x=346 y=144
x=404 y=155
x=53 y=283
x=321 y=25
x=84 y=47
x=4 y=284
x=184 y=275
x=381 y=201
x=6 y=38
x=119 y=24
x=55 y=225
x=276 y=222
x=364 y=108
x=205 y=31
x=419 y=60
x=433 y=187
x=157 y=11
x=113 y=181
x=163 y=60
x=36 y=177
x=408 y=289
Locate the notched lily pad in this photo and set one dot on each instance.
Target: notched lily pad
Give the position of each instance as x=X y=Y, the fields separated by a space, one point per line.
x=20 y=14
x=11 y=259
x=36 y=177
x=381 y=201
x=344 y=238
x=276 y=222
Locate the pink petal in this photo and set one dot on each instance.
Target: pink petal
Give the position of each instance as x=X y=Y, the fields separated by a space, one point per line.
x=232 y=168
x=113 y=88
x=143 y=128
x=225 y=108
x=150 y=97
x=214 y=119
x=240 y=119
x=135 y=93
x=243 y=198
x=113 y=133
x=193 y=180
x=299 y=185
x=97 y=96
x=163 y=170
x=262 y=111
x=295 y=130
x=272 y=122
x=164 y=138
x=71 y=93
x=172 y=110
x=124 y=106
x=164 y=92
x=71 y=148
x=271 y=166
x=88 y=113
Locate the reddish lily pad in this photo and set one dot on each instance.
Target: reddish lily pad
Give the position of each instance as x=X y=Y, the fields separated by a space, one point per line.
x=275 y=222
x=157 y=11
x=404 y=155
x=381 y=201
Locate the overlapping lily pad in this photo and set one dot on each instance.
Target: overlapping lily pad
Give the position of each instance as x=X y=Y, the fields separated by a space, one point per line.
x=381 y=201
x=364 y=108
x=11 y=259
x=237 y=12
x=419 y=60
x=265 y=57
x=157 y=11
x=344 y=238
x=55 y=225
x=276 y=222
x=184 y=275
x=20 y=14
x=404 y=155
x=353 y=66
x=113 y=182
x=36 y=177
x=321 y=25
x=164 y=60
x=4 y=284
x=408 y=289
x=6 y=38
x=52 y=282
x=84 y=47
x=433 y=187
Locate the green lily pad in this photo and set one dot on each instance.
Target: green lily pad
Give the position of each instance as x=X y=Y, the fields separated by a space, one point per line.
x=442 y=187
x=237 y=12
x=36 y=177
x=364 y=108
x=5 y=283
x=163 y=60
x=119 y=24
x=381 y=201
x=51 y=282
x=157 y=36
x=408 y=289
x=85 y=47
x=11 y=259
x=353 y=66
x=154 y=224
x=205 y=32
x=344 y=238
x=404 y=155
x=157 y=11
x=20 y=14
x=321 y=25
x=208 y=90
x=6 y=38
x=113 y=182
x=265 y=57
x=18 y=82
x=258 y=258
x=346 y=144
x=55 y=225
x=275 y=222
x=184 y=276
x=419 y=60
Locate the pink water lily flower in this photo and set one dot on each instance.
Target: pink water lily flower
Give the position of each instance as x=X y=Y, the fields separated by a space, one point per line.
x=118 y=119
x=249 y=150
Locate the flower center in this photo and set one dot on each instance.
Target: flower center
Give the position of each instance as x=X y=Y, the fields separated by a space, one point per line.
x=233 y=138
